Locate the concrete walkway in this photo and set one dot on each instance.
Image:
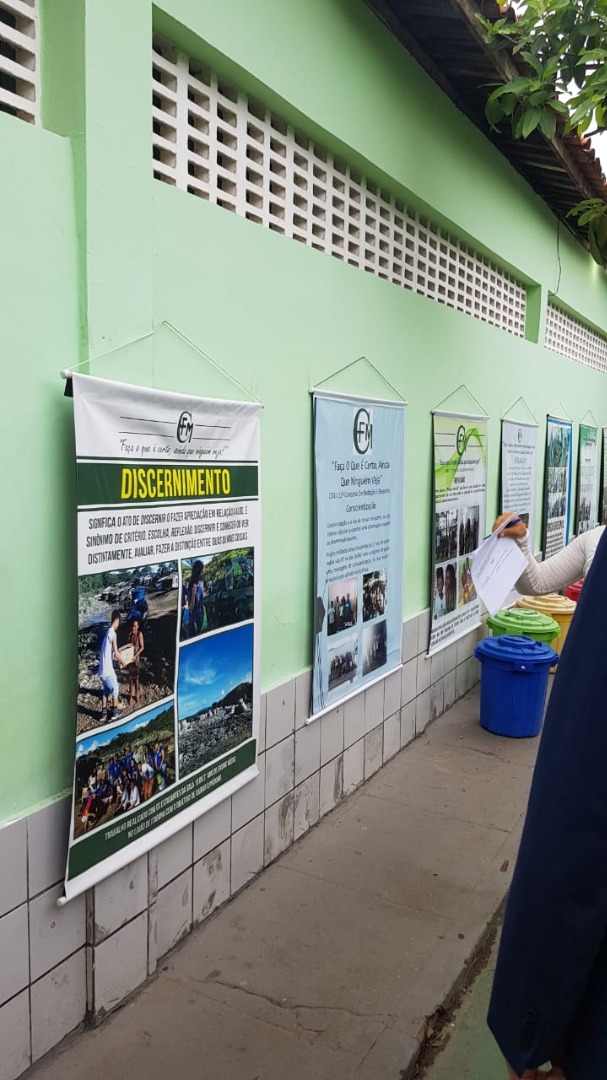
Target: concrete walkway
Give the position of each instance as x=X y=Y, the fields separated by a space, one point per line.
x=329 y=964
x=470 y=1052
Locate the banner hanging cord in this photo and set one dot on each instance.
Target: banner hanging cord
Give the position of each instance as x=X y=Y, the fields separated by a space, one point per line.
x=462 y=386
x=589 y=413
x=352 y=363
x=66 y=373
x=522 y=401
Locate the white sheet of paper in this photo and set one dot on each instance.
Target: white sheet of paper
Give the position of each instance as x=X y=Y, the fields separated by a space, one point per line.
x=496 y=567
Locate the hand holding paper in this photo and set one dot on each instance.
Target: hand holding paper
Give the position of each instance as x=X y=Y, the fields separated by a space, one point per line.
x=496 y=567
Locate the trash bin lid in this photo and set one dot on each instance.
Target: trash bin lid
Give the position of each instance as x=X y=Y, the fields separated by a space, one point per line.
x=550 y=604
x=517 y=649
x=523 y=621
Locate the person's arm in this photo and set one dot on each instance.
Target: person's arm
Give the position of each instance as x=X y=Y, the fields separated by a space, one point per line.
x=192 y=604
x=553 y=574
x=115 y=652
x=140 y=646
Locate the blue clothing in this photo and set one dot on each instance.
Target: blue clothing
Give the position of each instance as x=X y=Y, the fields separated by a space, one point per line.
x=550 y=990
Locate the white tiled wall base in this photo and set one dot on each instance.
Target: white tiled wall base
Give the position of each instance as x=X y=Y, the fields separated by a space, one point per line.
x=143 y=911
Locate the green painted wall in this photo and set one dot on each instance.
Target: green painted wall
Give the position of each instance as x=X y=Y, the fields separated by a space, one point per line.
x=98 y=256
x=39 y=334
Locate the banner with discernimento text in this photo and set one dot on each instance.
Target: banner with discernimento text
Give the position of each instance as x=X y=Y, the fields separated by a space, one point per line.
x=458 y=524
x=359 y=454
x=168 y=527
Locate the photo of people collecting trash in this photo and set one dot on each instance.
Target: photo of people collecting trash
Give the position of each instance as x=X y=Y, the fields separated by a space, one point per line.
x=216 y=591
x=127 y=627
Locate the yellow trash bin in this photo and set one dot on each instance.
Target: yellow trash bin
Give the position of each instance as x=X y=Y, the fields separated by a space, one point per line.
x=559 y=608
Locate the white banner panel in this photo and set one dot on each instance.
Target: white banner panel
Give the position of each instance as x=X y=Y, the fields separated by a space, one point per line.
x=459 y=515
x=359 y=455
x=519 y=472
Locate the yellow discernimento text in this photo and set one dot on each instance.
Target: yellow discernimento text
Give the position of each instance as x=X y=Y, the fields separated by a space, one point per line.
x=159 y=483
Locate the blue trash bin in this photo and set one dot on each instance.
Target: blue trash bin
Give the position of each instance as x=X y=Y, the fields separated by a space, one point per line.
x=514 y=681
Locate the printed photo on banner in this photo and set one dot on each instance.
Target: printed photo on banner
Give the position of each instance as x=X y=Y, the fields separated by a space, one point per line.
x=127 y=627
x=217 y=591
x=468 y=529
x=559 y=441
x=466 y=590
x=119 y=768
x=374 y=647
x=342 y=611
x=374 y=594
x=343 y=662
x=445 y=590
x=557 y=485
x=446 y=535
x=214 y=696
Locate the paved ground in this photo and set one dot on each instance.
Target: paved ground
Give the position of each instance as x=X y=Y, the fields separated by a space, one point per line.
x=470 y=1052
x=329 y=964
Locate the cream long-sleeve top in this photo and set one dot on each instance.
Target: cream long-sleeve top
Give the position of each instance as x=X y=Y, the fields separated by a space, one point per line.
x=570 y=564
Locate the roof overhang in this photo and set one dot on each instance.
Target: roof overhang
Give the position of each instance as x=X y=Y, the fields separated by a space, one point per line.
x=447 y=40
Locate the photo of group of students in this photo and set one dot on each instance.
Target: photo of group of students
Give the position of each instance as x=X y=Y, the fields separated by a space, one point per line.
x=122 y=768
x=374 y=594
x=557 y=506
x=557 y=481
x=445 y=535
x=343 y=662
x=468 y=529
x=342 y=611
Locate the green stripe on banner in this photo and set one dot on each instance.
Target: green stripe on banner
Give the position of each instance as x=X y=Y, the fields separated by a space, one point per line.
x=101 y=482
x=105 y=842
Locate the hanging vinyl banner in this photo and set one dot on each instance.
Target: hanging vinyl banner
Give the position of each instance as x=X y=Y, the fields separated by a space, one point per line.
x=168 y=527
x=458 y=522
x=587 y=480
x=519 y=471
x=359 y=462
x=557 y=485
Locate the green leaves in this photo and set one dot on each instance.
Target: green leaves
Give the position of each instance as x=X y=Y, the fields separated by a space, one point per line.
x=548 y=123
x=561 y=49
x=591 y=214
x=530 y=120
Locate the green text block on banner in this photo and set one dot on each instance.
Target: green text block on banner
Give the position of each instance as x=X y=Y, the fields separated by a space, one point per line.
x=168 y=527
